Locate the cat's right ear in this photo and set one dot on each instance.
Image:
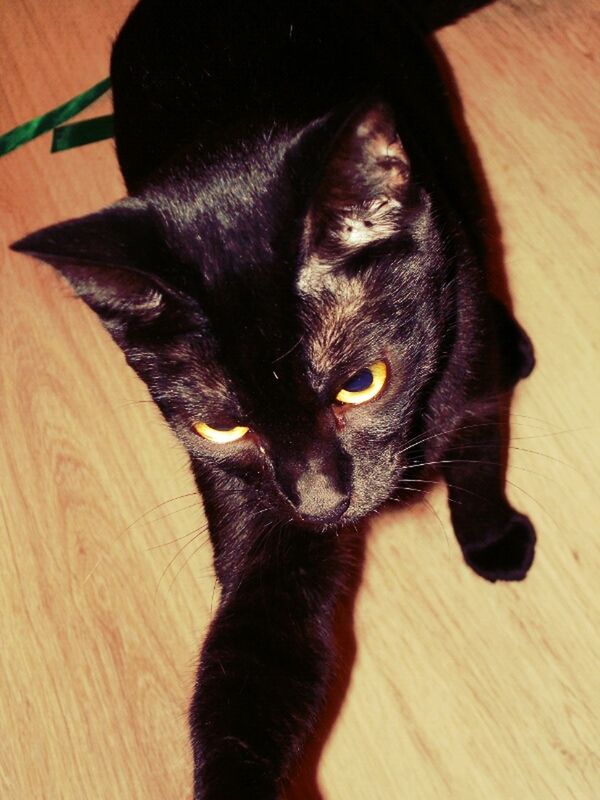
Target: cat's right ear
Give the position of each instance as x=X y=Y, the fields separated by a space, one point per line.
x=363 y=186
x=107 y=257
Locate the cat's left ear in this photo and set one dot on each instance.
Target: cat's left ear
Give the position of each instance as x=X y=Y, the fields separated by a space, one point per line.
x=109 y=257
x=363 y=186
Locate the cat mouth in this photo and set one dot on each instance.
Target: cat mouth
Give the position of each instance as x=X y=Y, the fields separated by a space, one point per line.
x=323 y=517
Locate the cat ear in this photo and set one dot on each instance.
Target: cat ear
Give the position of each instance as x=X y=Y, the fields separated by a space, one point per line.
x=104 y=256
x=361 y=194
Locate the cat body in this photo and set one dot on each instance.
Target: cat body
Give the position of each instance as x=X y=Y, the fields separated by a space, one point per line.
x=302 y=219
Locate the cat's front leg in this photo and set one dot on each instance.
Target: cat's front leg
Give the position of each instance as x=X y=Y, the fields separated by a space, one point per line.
x=497 y=541
x=264 y=666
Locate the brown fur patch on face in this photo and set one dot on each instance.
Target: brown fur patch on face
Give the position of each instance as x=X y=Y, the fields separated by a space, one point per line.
x=334 y=316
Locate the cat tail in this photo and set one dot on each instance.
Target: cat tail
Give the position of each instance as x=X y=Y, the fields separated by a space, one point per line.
x=433 y=14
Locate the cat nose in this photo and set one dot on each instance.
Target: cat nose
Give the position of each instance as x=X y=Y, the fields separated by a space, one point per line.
x=317 y=500
x=324 y=515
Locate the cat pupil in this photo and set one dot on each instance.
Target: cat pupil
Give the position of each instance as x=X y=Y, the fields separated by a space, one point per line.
x=359 y=382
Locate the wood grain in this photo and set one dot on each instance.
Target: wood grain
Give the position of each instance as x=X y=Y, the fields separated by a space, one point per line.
x=461 y=689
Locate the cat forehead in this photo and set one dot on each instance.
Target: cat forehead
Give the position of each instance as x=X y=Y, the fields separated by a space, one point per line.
x=281 y=354
x=339 y=323
x=268 y=325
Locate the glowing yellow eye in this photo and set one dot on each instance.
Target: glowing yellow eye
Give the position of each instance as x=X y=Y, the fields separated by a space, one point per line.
x=364 y=385
x=218 y=435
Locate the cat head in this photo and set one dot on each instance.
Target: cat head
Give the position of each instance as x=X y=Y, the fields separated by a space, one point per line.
x=284 y=303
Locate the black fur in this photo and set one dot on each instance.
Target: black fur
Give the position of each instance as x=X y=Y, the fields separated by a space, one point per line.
x=301 y=207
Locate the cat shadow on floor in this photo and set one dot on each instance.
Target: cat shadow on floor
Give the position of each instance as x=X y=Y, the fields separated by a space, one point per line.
x=483 y=206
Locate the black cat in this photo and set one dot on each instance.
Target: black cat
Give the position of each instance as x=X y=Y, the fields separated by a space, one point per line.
x=298 y=275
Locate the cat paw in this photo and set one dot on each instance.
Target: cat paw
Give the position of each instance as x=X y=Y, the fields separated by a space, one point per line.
x=525 y=356
x=517 y=356
x=509 y=556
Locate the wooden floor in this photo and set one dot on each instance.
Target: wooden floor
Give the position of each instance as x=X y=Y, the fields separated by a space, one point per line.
x=461 y=689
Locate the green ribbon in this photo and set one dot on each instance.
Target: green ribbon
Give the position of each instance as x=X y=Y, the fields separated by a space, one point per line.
x=70 y=135
x=79 y=133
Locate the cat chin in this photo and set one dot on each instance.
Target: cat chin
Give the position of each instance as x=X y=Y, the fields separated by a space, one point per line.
x=350 y=521
x=352 y=516
x=357 y=511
